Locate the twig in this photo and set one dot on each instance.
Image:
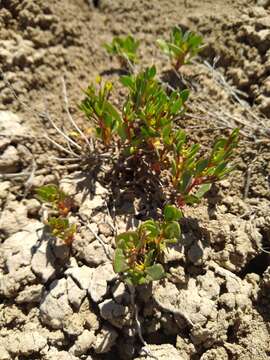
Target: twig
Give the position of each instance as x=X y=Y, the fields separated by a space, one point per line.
x=221 y=271
x=68 y=139
x=60 y=147
x=100 y=241
x=113 y=224
x=29 y=181
x=90 y=146
x=38 y=172
x=174 y=311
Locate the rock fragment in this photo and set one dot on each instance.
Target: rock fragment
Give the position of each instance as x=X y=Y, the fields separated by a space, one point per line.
x=105 y=340
x=25 y=343
x=98 y=284
x=31 y=294
x=75 y=293
x=54 y=306
x=83 y=343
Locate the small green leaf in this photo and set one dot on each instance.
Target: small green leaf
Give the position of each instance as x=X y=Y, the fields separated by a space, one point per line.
x=220 y=168
x=119 y=263
x=149 y=258
x=48 y=193
x=151 y=228
x=127 y=240
x=186 y=181
x=184 y=95
x=172 y=230
x=171 y=213
x=201 y=165
x=156 y=272
x=152 y=71
x=202 y=190
x=127 y=81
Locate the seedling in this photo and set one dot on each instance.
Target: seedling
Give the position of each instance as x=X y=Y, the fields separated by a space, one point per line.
x=193 y=176
x=148 y=112
x=181 y=47
x=61 y=205
x=100 y=111
x=125 y=48
x=138 y=254
x=61 y=228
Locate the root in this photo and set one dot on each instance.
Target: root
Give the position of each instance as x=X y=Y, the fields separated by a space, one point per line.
x=145 y=349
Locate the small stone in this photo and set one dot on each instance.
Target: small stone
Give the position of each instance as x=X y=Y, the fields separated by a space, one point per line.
x=11 y=125
x=94 y=253
x=31 y=294
x=32 y=206
x=26 y=343
x=82 y=275
x=178 y=275
x=75 y=294
x=83 y=343
x=91 y=204
x=54 y=306
x=227 y=300
x=4 y=355
x=59 y=355
x=195 y=253
x=98 y=284
x=4 y=187
x=263 y=3
x=110 y=309
x=9 y=287
x=105 y=229
x=91 y=320
x=18 y=248
x=13 y=218
x=9 y=160
x=73 y=325
x=161 y=352
x=44 y=263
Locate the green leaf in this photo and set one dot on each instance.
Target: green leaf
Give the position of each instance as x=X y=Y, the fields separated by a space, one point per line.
x=191 y=199
x=201 y=165
x=202 y=190
x=119 y=263
x=127 y=240
x=186 y=181
x=127 y=81
x=171 y=213
x=220 y=168
x=172 y=230
x=176 y=106
x=151 y=228
x=48 y=193
x=156 y=272
x=149 y=258
x=152 y=71
x=184 y=95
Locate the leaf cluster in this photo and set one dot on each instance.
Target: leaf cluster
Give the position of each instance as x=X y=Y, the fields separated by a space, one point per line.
x=182 y=46
x=138 y=254
x=191 y=172
x=61 y=205
x=125 y=48
x=147 y=113
x=97 y=108
x=146 y=124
